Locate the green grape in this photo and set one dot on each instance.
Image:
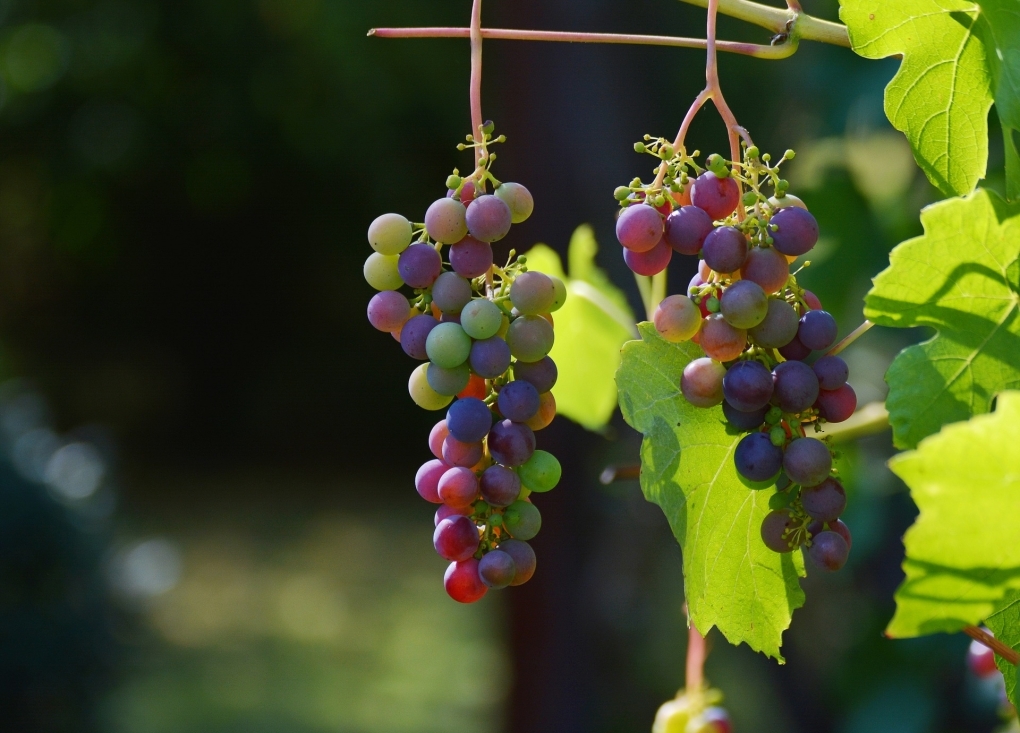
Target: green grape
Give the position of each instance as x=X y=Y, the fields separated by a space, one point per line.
x=561 y=294
x=422 y=393
x=541 y=472
x=481 y=319
x=518 y=199
x=381 y=272
x=389 y=234
x=447 y=345
x=448 y=382
x=530 y=338
x=533 y=292
x=522 y=520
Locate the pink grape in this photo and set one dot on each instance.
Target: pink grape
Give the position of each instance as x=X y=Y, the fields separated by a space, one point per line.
x=677 y=318
x=639 y=228
x=488 y=218
x=446 y=221
x=456 y=538
x=702 y=382
x=837 y=405
x=471 y=258
x=718 y=197
x=445 y=510
x=462 y=582
x=837 y=526
x=812 y=301
x=651 y=262
x=465 y=455
x=436 y=438
x=766 y=267
x=458 y=487
x=720 y=340
x=426 y=481
x=388 y=310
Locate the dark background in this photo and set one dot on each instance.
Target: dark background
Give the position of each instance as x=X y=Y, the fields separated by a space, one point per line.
x=184 y=191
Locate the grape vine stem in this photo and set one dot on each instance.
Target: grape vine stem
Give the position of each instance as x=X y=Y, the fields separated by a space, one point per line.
x=697 y=650
x=850 y=338
x=982 y=636
x=475 y=93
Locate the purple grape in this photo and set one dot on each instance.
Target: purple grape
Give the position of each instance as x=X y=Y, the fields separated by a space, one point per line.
x=796 y=386
x=651 y=262
x=518 y=401
x=773 y=527
x=744 y=421
x=426 y=481
x=469 y=419
x=451 y=292
x=388 y=310
x=524 y=559
x=797 y=231
x=419 y=265
x=747 y=386
x=824 y=502
x=828 y=550
x=445 y=221
x=470 y=258
x=510 y=443
x=778 y=328
x=744 y=304
x=414 y=334
x=718 y=197
x=836 y=526
x=686 y=229
x=818 y=329
x=756 y=458
x=445 y=510
x=639 y=228
x=837 y=405
x=461 y=455
x=458 y=486
x=725 y=249
x=767 y=267
x=542 y=373
x=456 y=538
x=489 y=357
x=488 y=218
x=795 y=350
x=500 y=485
x=807 y=462
x=832 y=372
x=496 y=569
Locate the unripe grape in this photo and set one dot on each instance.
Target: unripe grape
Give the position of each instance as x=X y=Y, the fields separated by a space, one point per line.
x=426 y=481
x=458 y=487
x=546 y=412
x=496 y=569
x=476 y=386
x=522 y=520
x=419 y=265
x=766 y=267
x=389 y=234
x=488 y=218
x=533 y=293
x=448 y=381
x=786 y=201
x=447 y=345
x=541 y=472
x=436 y=437
x=725 y=249
x=796 y=231
x=524 y=559
x=702 y=382
x=778 y=328
x=462 y=582
x=718 y=197
x=639 y=228
x=518 y=199
x=481 y=318
x=470 y=258
x=561 y=294
x=530 y=338
x=422 y=393
x=720 y=340
x=651 y=262
x=451 y=292
x=388 y=310
x=414 y=335
x=445 y=221
x=381 y=272
x=677 y=318
x=744 y=304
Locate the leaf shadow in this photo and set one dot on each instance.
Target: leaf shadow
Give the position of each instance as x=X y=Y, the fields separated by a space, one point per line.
x=996 y=581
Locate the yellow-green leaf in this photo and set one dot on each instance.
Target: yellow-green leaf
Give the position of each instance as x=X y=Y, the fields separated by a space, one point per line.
x=1005 y=624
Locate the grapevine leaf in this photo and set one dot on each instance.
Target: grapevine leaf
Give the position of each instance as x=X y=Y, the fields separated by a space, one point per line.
x=1005 y=624
x=941 y=94
x=960 y=278
x=731 y=579
x=961 y=558
x=1001 y=32
x=591 y=327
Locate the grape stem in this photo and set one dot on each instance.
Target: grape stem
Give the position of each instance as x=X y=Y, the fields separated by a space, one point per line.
x=982 y=636
x=792 y=22
x=475 y=93
x=850 y=338
x=696 y=653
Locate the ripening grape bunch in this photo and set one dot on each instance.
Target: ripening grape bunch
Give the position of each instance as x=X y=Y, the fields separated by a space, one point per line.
x=763 y=336
x=483 y=334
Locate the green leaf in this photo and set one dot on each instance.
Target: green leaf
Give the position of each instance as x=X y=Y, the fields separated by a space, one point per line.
x=591 y=327
x=960 y=278
x=1005 y=624
x=941 y=94
x=962 y=557
x=731 y=579
x=1001 y=32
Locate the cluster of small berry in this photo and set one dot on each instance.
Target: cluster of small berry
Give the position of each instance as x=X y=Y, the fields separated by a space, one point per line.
x=758 y=328
x=483 y=333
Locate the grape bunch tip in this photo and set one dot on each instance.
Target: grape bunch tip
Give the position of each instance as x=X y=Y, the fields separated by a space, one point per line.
x=758 y=328
x=483 y=334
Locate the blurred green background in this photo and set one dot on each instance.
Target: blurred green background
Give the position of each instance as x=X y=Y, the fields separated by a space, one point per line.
x=207 y=515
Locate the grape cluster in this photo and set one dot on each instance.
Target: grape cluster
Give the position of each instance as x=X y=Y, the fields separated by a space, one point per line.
x=693 y=711
x=758 y=328
x=483 y=333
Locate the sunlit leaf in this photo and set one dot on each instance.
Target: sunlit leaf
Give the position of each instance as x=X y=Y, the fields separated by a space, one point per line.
x=590 y=329
x=962 y=554
x=959 y=278
x=1005 y=624
x=732 y=581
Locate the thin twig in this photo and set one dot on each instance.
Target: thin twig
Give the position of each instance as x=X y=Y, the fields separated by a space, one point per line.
x=992 y=643
x=779 y=51
x=850 y=338
x=476 y=80
x=696 y=653
x=799 y=25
